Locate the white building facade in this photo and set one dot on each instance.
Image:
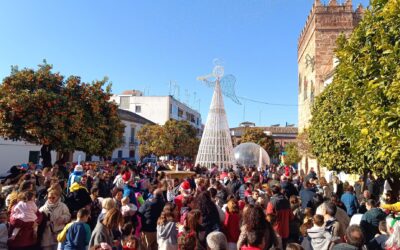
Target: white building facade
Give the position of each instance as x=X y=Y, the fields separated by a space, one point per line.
x=158 y=109
x=19 y=152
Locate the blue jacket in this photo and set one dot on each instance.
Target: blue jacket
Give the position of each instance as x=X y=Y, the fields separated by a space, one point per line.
x=306 y=196
x=78 y=236
x=130 y=192
x=350 y=202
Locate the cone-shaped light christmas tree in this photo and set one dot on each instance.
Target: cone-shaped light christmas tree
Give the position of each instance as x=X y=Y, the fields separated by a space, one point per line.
x=216 y=144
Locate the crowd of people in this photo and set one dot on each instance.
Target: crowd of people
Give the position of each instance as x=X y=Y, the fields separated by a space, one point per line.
x=137 y=206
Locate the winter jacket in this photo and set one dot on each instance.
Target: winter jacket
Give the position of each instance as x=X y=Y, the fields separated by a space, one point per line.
x=54 y=212
x=129 y=191
x=25 y=237
x=378 y=243
x=167 y=236
x=101 y=234
x=78 y=198
x=306 y=197
x=232 y=226
x=78 y=236
x=233 y=186
x=280 y=207
x=351 y=203
x=149 y=212
x=345 y=246
x=320 y=239
x=370 y=222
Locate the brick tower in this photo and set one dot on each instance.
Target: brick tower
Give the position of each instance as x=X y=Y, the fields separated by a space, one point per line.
x=315 y=54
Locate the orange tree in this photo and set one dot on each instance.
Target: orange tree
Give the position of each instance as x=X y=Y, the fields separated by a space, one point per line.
x=40 y=107
x=258 y=136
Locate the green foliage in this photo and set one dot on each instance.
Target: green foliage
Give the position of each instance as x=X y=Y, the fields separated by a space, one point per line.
x=356 y=120
x=175 y=138
x=258 y=136
x=292 y=154
x=66 y=115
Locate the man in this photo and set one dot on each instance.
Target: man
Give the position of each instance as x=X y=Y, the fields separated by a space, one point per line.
x=365 y=197
x=216 y=241
x=287 y=186
x=78 y=196
x=370 y=220
x=354 y=239
x=149 y=212
x=280 y=207
x=306 y=195
x=332 y=225
x=350 y=201
x=233 y=184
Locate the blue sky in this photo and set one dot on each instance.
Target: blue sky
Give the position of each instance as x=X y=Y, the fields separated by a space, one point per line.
x=146 y=44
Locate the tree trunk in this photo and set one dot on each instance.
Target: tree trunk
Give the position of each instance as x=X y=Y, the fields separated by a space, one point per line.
x=45 y=152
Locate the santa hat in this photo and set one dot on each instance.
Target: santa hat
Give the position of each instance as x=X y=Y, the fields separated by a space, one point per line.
x=185 y=188
x=126 y=176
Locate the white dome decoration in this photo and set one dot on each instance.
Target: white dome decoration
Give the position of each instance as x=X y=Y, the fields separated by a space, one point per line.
x=251 y=154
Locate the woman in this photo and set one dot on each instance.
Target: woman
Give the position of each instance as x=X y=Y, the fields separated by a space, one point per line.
x=57 y=215
x=326 y=189
x=254 y=220
x=193 y=226
x=167 y=232
x=232 y=224
x=102 y=233
x=95 y=207
x=209 y=211
x=106 y=205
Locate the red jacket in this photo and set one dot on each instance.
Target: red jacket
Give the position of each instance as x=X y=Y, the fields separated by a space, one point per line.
x=280 y=207
x=232 y=226
x=26 y=236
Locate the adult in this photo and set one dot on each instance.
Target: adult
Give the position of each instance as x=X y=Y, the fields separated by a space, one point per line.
x=217 y=241
x=332 y=225
x=370 y=220
x=95 y=207
x=254 y=220
x=209 y=211
x=350 y=201
x=306 y=195
x=102 y=233
x=149 y=212
x=373 y=187
x=363 y=201
x=354 y=239
x=117 y=194
x=78 y=197
x=280 y=207
x=337 y=186
x=167 y=232
x=326 y=189
x=233 y=183
x=105 y=185
x=57 y=215
x=287 y=186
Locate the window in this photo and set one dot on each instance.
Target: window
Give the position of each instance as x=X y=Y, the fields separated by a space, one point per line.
x=170 y=109
x=132 y=140
x=198 y=121
x=119 y=153
x=34 y=156
x=131 y=153
x=88 y=157
x=138 y=109
x=124 y=102
x=180 y=112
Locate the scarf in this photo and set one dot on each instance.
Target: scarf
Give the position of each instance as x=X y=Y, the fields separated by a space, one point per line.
x=49 y=208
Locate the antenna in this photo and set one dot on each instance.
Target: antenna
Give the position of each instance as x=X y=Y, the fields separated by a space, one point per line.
x=227 y=82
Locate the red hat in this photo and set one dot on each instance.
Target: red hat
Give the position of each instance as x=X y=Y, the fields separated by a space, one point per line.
x=185 y=186
x=126 y=176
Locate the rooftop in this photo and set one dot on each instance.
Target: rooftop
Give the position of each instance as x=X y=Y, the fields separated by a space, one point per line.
x=132 y=117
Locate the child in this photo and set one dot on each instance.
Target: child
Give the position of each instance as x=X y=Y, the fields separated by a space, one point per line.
x=305 y=239
x=167 y=229
x=380 y=239
x=255 y=240
x=320 y=239
x=127 y=209
x=187 y=241
x=232 y=224
x=78 y=234
x=25 y=210
x=308 y=215
x=130 y=243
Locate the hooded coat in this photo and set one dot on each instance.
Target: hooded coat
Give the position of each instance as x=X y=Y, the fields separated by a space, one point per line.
x=167 y=235
x=320 y=239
